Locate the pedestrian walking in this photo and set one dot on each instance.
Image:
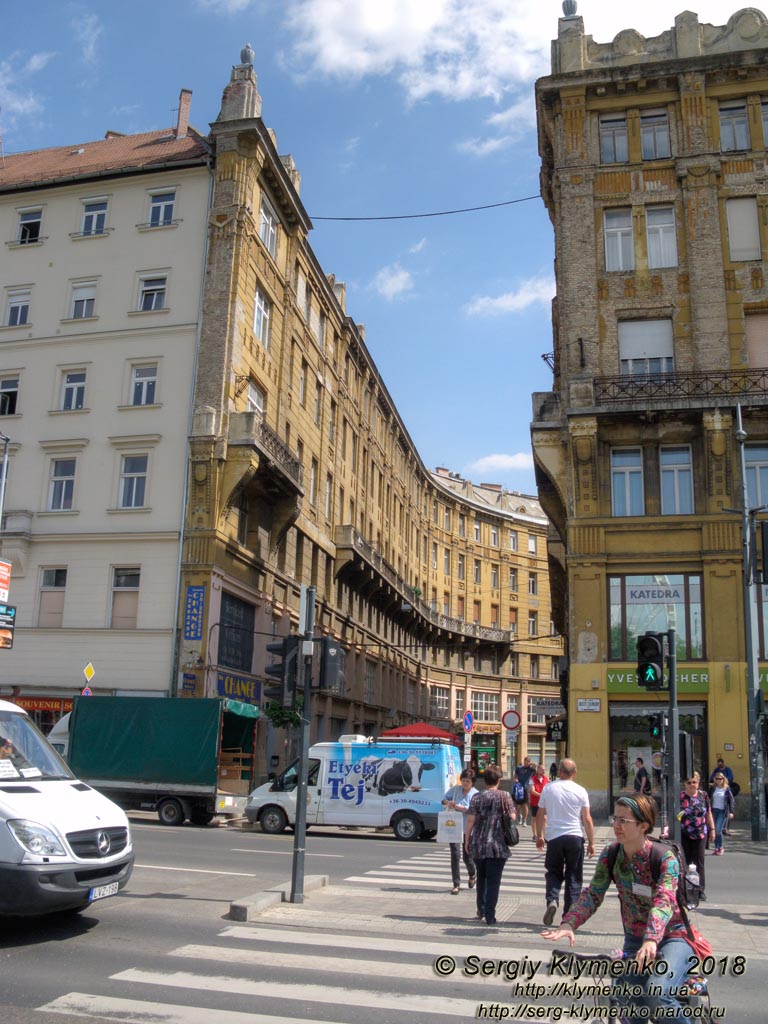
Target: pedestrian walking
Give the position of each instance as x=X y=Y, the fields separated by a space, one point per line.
x=696 y=823
x=538 y=782
x=553 y=771
x=642 y=781
x=565 y=817
x=458 y=799
x=523 y=775
x=484 y=838
x=722 y=810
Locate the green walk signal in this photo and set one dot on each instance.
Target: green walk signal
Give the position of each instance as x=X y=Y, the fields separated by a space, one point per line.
x=650 y=661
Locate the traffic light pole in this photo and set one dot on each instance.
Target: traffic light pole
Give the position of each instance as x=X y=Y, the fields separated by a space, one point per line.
x=673 y=741
x=300 y=827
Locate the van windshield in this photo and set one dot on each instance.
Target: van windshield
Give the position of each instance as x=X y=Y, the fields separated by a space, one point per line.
x=25 y=753
x=290 y=777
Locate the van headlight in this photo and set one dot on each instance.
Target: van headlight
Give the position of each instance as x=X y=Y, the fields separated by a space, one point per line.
x=36 y=838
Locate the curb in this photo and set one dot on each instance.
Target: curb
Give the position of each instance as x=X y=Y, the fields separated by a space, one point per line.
x=249 y=907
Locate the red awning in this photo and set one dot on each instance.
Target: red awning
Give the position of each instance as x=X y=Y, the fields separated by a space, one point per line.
x=421 y=730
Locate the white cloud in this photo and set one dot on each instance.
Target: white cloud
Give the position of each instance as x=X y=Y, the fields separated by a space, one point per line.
x=87 y=30
x=17 y=100
x=418 y=246
x=500 y=463
x=392 y=281
x=535 y=289
x=37 y=62
x=225 y=6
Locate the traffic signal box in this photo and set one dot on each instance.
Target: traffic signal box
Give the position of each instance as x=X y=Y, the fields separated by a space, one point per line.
x=333 y=664
x=284 y=671
x=650 y=661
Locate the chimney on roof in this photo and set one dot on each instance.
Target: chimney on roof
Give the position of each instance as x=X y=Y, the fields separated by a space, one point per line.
x=182 y=124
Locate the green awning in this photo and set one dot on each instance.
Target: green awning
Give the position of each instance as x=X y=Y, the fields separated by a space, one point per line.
x=238 y=707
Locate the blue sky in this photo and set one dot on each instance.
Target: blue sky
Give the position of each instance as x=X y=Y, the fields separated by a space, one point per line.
x=388 y=107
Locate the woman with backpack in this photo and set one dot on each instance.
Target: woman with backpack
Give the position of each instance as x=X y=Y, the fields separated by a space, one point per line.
x=651 y=918
x=696 y=823
x=723 y=803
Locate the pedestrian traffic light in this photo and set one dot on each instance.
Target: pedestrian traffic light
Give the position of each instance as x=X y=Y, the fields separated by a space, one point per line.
x=654 y=724
x=333 y=663
x=284 y=671
x=650 y=661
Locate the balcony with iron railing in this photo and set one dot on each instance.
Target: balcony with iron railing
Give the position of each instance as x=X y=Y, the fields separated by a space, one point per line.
x=688 y=389
x=250 y=429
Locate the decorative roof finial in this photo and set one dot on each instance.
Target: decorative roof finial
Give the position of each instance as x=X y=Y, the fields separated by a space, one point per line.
x=569 y=8
x=248 y=53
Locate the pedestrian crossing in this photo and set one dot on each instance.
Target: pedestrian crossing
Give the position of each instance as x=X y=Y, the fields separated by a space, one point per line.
x=270 y=974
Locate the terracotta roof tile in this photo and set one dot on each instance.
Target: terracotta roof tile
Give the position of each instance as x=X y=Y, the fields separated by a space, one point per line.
x=102 y=156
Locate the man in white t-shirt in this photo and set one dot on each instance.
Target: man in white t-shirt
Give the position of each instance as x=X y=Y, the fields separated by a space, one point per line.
x=564 y=807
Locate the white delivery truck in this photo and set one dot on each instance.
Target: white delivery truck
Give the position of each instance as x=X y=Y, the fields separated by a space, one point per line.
x=62 y=844
x=359 y=781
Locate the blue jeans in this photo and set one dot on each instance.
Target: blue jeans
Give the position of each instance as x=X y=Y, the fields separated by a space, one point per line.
x=489 y=871
x=656 y=986
x=720 y=818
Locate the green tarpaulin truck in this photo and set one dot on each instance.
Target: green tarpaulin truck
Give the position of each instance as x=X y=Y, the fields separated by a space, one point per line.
x=183 y=757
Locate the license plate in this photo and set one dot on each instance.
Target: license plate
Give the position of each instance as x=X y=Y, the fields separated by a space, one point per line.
x=100 y=891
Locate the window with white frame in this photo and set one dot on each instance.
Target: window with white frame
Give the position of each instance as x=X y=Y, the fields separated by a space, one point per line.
x=268 y=226
x=162 y=206
x=152 y=293
x=133 y=481
x=536 y=715
x=369 y=695
x=477 y=576
x=494 y=577
x=514 y=664
x=462 y=525
x=534 y=666
x=50 y=612
x=533 y=583
x=61 y=487
x=513 y=580
x=262 y=316
x=494 y=536
x=447 y=561
x=255 y=399
x=410 y=699
x=743 y=229
x=446 y=518
x=328 y=496
x=513 y=621
x=511 y=702
x=303 y=383
x=125 y=598
x=614 y=148
x=318 y=406
x=94 y=217
x=661 y=235
x=83 y=301
x=513 y=540
x=676 y=480
x=627 y=482
x=313 y=482
x=756 y=461
x=460 y=704
x=17 y=310
x=30 y=224
x=439 y=701
x=477 y=531
x=531 y=544
x=434 y=556
x=734 y=127
x=72 y=390
x=533 y=623
x=646 y=347
x=460 y=571
x=144 y=384
x=9 y=395
x=654 y=134
x=619 y=240
x=485 y=706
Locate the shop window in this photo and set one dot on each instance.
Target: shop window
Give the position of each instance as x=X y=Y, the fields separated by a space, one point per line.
x=654 y=602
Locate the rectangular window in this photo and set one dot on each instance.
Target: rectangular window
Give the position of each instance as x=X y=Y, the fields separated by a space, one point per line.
x=446 y=518
x=513 y=621
x=477 y=531
x=743 y=229
x=533 y=583
x=262 y=315
x=485 y=706
x=477 y=571
x=533 y=623
x=61 y=488
x=328 y=496
x=460 y=567
x=152 y=293
x=494 y=536
x=513 y=580
x=161 y=209
x=513 y=540
x=613 y=139
x=94 y=218
x=370 y=682
x=318 y=406
x=627 y=482
x=313 y=482
x=268 y=227
x=256 y=399
x=439 y=701
x=462 y=525
x=734 y=128
x=494 y=577
x=764 y=107
x=534 y=673
x=756 y=325
x=661 y=235
x=531 y=545
x=303 y=383
x=447 y=561
x=619 y=240
x=237 y=620
x=17 y=313
x=53 y=584
x=460 y=608
x=133 y=481
x=83 y=301
x=646 y=347
x=536 y=715
x=654 y=135
x=30 y=223
x=72 y=390
x=9 y=395
x=434 y=556
x=676 y=481
x=756 y=462
x=143 y=385
x=640 y=603
x=476 y=612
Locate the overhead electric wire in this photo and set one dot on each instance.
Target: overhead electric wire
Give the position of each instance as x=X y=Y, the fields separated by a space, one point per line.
x=437 y=213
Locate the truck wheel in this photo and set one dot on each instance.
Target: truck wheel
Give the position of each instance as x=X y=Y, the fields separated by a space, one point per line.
x=407 y=826
x=273 y=820
x=200 y=816
x=170 y=812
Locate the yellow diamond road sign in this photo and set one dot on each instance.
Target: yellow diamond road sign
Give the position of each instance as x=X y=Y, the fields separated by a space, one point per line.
x=89 y=672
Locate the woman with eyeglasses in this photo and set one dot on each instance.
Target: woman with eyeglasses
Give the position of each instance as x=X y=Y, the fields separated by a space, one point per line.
x=696 y=823
x=722 y=802
x=653 y=927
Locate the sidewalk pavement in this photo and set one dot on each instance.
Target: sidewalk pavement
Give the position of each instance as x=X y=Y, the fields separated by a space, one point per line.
x=395 y=909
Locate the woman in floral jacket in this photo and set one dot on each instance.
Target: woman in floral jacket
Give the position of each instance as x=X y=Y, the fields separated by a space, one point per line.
x=696 y=824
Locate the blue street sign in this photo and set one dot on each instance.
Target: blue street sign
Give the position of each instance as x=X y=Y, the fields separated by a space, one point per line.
x=469 y=721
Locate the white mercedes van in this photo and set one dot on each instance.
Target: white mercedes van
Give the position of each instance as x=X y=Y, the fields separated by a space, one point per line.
x=62 y=844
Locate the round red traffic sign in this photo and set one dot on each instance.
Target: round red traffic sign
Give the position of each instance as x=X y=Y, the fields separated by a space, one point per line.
x=511 y=720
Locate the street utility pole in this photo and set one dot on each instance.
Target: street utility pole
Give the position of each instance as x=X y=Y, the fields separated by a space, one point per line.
x=300 y=833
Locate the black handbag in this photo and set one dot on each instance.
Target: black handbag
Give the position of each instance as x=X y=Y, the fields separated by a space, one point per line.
x=509 y=828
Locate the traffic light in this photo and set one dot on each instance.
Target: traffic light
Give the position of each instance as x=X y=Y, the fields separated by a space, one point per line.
x=333 y=664
x=654 y=726
x=650 y=661
x=284 y=671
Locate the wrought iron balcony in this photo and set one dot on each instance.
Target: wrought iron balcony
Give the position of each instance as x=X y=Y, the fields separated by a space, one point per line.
x=249 y=428
x=718 y=387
